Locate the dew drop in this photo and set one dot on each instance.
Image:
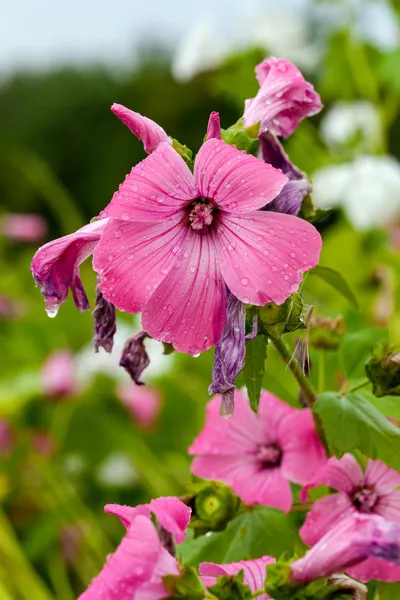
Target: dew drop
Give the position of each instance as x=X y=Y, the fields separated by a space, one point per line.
x=117 y=233
x=244 y=281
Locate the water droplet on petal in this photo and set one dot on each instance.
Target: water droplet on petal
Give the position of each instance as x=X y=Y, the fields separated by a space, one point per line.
x=244 y=281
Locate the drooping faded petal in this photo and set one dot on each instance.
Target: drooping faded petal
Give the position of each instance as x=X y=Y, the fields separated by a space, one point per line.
x=283 y=100
x=235 y=180
x=134 y=357
x=381 y=477
x=171 y=513
x=344 y=475
x=229 y=352
x=104 y=323
x=265 y=255
x=129 y=567
x=55 y=266
x=134 y=258
x=303 y=453
x=188 y=308
x=349 y=543
x=156 y=188
x=296 y=189
x=146 y=130
x=324 y=514
x=214 y=127
x=254 y=572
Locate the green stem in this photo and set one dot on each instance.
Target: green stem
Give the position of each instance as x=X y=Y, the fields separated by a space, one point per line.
x=360 y=385
x=321 y=371
x=293 y=365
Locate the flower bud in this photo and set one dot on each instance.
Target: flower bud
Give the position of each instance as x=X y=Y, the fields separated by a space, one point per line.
x=326 y=332
x=283 y=318
x=383 y=370
x=215 y=505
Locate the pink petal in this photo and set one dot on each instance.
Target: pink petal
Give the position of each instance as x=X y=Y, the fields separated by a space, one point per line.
x=267 y=486
x=156 y=188
x=146 y=130
x=375 y=568
x=381 y=477
x=55 y=266
x=236 y=181
x=254 y=573
x=214 y=127
x=344 y=474
x=188 y=309
x=225 y=468
x=283 y=100
x=134 y=258
x=59 y=375
x=323 y=515
x=265 y=255
x=126 y=514
x=303 y=453
x=154 y=588
x=271 y=411
x=131 y=564
x=234 y=437
x=23 y=227
x=173 y=515
x=389 y=506
x=142 y=402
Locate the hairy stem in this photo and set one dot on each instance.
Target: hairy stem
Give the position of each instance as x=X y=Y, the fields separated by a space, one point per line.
x=293 y=365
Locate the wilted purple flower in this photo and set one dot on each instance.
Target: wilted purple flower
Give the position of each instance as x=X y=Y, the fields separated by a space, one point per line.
x=229 y=355
x=296 y=189
x=134 y=357
x=104 y=323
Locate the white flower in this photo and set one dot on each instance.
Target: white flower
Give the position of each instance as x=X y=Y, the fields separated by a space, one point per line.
x=346 y=120
x=368 y=189
x=117 y=470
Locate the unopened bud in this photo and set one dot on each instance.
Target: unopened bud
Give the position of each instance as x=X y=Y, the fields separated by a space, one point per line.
x=383 y=370
x=326 y=332
x=283 y=318
x=215 y=505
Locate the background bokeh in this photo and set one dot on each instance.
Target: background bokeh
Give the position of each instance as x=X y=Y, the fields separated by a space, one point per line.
x=76 y=434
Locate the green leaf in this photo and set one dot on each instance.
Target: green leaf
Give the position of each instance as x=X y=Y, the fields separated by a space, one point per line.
x=356 y=348
x=262 y=531
x=244 y=139
x=254 y=367
x=337 y=281
x=351 y=422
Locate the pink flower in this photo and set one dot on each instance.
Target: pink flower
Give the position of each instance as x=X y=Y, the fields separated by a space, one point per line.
x=58 y=375
x=172 y=514
x=348 y=545
x=23 y=227
x=257 y=455
x=142 y=402
x=135 y=570
x=254 y=572
x=283 y=100
x=176 y=240
x=55 y=266
x=146 y=130
x=371 y=493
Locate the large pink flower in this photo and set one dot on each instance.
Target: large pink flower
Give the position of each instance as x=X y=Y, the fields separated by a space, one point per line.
x=135 y=570
x=176 y=240
x=348 y=546
x=259 y=454
x=254 y=572
x=283 y=100
x=371 y=493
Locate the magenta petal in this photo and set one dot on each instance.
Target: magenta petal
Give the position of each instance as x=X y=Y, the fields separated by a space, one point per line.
x=146 y=130
x=133 y=259
x=173 y=515
x=344 y=475
x=235 y=437
x=267 y=486
x=271 y=412
x=323 y=515
x=156 y=188
x=55 y=266
x=126 y=514
x=214 y=127
x=236 y=181
x=225 y=468
x=154 y=588
x=303 y=453
x=254 y=573
x=389 y=506
x=375 y=568
x=265 y=255
x=381 y=477
x=130 y=566
x=188 y=309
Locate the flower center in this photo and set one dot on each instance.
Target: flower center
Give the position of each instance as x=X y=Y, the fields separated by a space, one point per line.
x=365 y=499
x=269 y=455
x=201 y=214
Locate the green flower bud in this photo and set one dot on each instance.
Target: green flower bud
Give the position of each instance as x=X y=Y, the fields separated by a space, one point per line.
x=278 y=319
x=326 y=332
x=215 y=505
x=383 y=370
